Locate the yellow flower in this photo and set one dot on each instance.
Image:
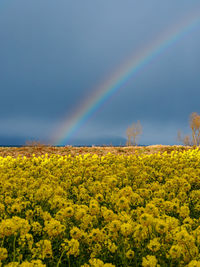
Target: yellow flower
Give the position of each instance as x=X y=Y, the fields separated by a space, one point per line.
x=146 y=219
x=149 y=261
x=196 y=232
x=57 y=202
x=26 y=239
x=99 y=197
x=96 y=235
x=126 y=192
x=73 y=247
x=123 y=203
x=140 y=233
x=108 y=215
x=115 y=225
x=3 y=254
x=154 y=245
x=36 y=227
x=29 y=214
x=111 y=246
x=194 y=263
x=152 y=209
x=111 y=181
x=76 y=233
x=16 y=208
x=7 y=228
x=12 y=264
x=126 y=229
x=54 y=228
x=2 y=208
x=184 y=237
x=46 y=216
x=169 y=206
x=161 y=226
x=136 y=199
x=79 y=213
x=43 y=249
x=175 y=251
x=65 y=213
x=86 y=222
x=68 y=212
x=172 y=223
x=130 y=254
x=94 y=208
x=23 y=225
x=96 y=250
x=184 y=211
x=182 y=196
x=33 y=263
x=96 y=262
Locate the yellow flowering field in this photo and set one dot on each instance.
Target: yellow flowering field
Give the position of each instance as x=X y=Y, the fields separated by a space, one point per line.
x=100 y=211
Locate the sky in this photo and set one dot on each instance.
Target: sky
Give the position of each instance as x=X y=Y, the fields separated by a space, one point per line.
x=55 y=54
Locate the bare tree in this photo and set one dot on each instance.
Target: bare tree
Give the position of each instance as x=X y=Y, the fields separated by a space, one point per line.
x=185 y=140
x=195 y=127
x=179 y=138
x=133 y=132
x=128 y=134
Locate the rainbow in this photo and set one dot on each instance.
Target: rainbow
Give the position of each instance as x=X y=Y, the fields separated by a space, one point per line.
x=70 y=125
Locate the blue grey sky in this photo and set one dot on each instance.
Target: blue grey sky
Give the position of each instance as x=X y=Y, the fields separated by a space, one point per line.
x=54 y=54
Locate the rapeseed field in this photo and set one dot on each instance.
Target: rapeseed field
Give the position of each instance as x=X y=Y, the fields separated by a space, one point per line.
x=100 y=211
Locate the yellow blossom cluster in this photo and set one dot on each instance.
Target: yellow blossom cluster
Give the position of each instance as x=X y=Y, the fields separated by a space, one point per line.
x=100 y=211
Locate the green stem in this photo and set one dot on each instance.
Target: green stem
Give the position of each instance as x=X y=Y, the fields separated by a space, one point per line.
x=59 y=261
x=69 y=260
x=124 y=257
x=2 y=242
x=14 y=249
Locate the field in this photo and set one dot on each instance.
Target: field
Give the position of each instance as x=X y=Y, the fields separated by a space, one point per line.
x=40 y=149
x=100 y=206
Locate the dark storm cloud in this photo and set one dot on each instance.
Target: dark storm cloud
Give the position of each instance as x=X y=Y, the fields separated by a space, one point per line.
x=53 y=54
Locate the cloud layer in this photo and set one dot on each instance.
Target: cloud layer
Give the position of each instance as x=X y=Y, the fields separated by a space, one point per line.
x=54 y=54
